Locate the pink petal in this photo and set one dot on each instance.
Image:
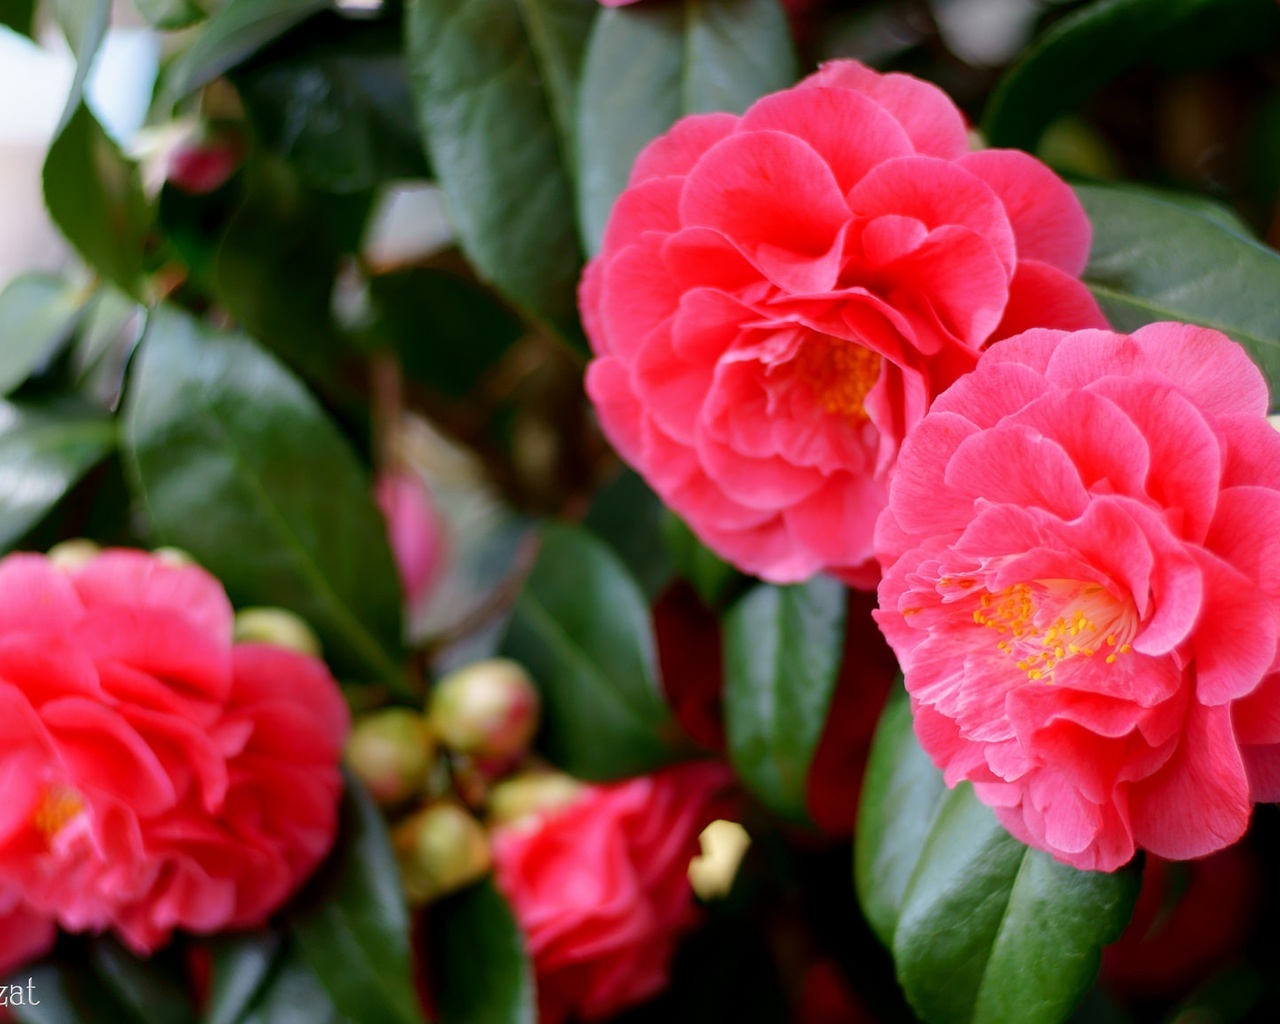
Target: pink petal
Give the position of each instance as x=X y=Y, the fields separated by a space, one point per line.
x=1235 y=641
x=1041 y=295
x=1214 y=370
x=679 y=149
x=648 y=206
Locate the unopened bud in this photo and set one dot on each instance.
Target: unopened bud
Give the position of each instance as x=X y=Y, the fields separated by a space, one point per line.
x=276 y=626
x=533 y=793
x=441 y=849
x=489 y=709
x=73 y=554
x=205 y=160
x=391 y=752
x=175 y=558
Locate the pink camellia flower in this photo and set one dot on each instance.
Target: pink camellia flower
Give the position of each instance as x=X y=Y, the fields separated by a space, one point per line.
x=1082 y=583
x=156 y=775
x=24 y=935
x=779 y=296
x=601 y=890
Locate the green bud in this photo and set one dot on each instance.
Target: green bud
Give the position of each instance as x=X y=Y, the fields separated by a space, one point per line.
x=522 y=796
x=276 y=626
x=488 y=710
x=73 y=554
x=175 y=557
x=391 y=752
x=441 y=849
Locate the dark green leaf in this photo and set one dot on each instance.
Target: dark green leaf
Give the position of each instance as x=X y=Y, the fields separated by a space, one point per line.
x=482 y=972
x=558 y=31
x=984 y=930
x=234 y=461
x=241 y=967
x=18 y=15
x=95 y=197
x=293 y=995
x=234 y=34
x=628 y=516
x=649 y=65
x=333 y=99
x=68 y=995
x=47 y=447
x=581 y=626
x=141 y=985
x=448 y=331
x=84 y=22
x=1156 y=259
x=353 y=926
x=170 y=14
x=714 y=579
x=485 y=109
x=783 y=647
x=1087 y=49
x=37 y=314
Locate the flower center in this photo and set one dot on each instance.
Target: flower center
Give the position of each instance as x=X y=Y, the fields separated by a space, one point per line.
x=60 y=805
x=1047 y=622
x=840 y=372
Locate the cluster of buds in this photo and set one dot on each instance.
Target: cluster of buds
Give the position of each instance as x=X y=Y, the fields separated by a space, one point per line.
x=444 y=775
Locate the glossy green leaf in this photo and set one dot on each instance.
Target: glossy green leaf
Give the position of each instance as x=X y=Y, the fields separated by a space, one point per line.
x=234 y=461
x=37 y=314
x=18 y=15
x=352 y=925
x=142 y=985
x=482 y=972
x=68 y=995
x=170 y=14
x=649 y=65
x=85 y=23
x=558 y=32
x=630 y=518
x=332 y=98
x=582 y=627
x=235 y=33
x=95 y=197
x=983 y=929
x=783 y=647
x=242 y=965
x=1093 y=45
x=292 y=994
x=484 y=94
x=1155 y=258
x=44 y=449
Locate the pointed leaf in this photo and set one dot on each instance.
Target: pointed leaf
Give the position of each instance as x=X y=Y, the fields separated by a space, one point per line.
x=482 y=971
x=37 y=314
x=234 y=461
x=649 y=65
x=242 y=966
x=582 y=627
x=783 y=647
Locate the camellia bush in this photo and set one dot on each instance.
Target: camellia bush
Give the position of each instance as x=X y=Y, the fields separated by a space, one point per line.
x=680 y=510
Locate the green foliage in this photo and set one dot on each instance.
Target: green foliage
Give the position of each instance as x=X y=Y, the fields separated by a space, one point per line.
x=647 y=66
x=483 y=971
x=37 y=314
x=18 y=15
x=783 y=647
x=983 y=930
x=234 y=461
x=170 y=14
x=581 y=626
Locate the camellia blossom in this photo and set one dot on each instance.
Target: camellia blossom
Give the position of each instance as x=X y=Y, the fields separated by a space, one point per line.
x=779 y=296
x=600 y=887
x=156 y=776
x=1082 y=583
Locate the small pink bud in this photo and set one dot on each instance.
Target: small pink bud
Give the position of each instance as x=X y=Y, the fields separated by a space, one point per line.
x=205 y=161
x=278 y=627
x=415 y=531
x=391 y=752
x=531 y=794
x=441 y=849
x=489 y=709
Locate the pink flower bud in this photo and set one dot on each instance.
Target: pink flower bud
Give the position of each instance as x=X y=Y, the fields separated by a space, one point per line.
x=205 y=161
x=531 y=794
x=278 y=627
x=391 y=753
x=441 y=849
x=415 y=531
x=489 y=709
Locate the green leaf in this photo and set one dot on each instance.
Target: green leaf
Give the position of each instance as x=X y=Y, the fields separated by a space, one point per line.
x=95 y=197
x=293 y=995
x=234 y=34
x=630 y=518
x=85 y=26
x=333 y=99
x=558 y=32
x=352 y=926
x=1090 y=47
x=69 y=995
x=170 y=14
x=582 y=627
x=18 y=15
x=242 y=965
x=37 y=313
x=983 y=929
x=482 y=972
x=783 y=647
x=141 y=985
x=48 y=446
x=235 y=462
x=484 y=95
x=649 y=65
x=1157 y=259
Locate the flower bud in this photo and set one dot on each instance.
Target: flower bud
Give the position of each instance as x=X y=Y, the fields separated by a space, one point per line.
x=489 y=709
x=391 y=752
x=73 y=554
x=278 y=627
x=175 y=558
x=532 y=793
x=416 y=533
x=441 y=849
x=205 y=160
